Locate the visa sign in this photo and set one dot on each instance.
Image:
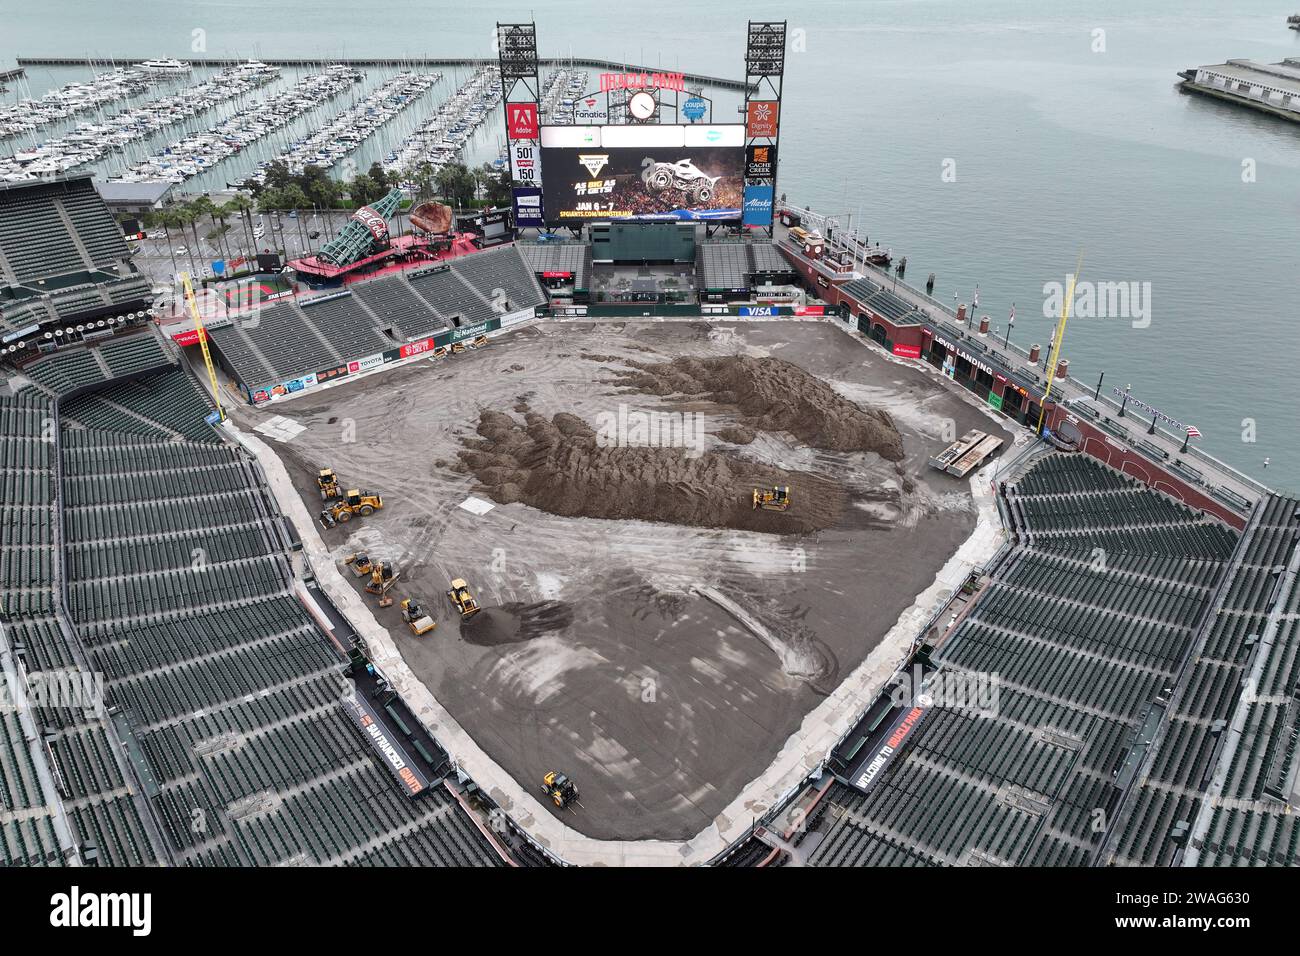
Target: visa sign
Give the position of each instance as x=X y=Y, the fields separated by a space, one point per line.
x=758 y=207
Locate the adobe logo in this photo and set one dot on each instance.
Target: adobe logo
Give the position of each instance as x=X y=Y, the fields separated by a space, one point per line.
x=521 y=120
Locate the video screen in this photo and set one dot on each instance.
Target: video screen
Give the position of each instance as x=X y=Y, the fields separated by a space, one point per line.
x=657 y=176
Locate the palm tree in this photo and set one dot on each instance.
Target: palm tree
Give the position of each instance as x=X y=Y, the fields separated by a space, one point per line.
x=188 y=216
x=167 y=218
x=241 y=204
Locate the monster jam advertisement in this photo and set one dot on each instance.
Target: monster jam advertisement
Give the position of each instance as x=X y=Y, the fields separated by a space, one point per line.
x=642 y=182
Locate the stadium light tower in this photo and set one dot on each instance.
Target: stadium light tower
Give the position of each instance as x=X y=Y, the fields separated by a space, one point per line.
x=764 y=76
x=520 y=83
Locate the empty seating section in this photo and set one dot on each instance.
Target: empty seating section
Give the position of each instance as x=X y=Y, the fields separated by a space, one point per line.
x=128 y=289
x=33 y=236
x=98 y=231
x=860 y=289
x=1247 y=823
x=347 y=326
x=131 y=354
x=396 y=305
x=65 y=370
x=500 y=275
x=236 y=352
x=182 y=602
x=443 y=291
x=292 y=339
x=723 y=265
x=1078 y=641
x=767 y=258
x=732 y=264
x=80 y=756
x=572 y=257
x=78 y=299
x=160 y=406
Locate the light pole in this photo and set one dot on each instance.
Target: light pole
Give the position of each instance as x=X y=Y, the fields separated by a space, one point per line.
x=1006 y=342
x=1097 y=394
x=1124 y=404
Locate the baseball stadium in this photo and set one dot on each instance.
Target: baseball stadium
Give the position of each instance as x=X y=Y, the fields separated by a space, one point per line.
x=651 y=521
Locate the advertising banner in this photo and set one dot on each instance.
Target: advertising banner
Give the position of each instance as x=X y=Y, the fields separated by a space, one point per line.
x=328 y=374
x=188 y=337
x=526 y=163
x=521 y=120
x=528 y=207
x=365 y=364
x=758 y=207
x=761 y=120
x=390 y=750
x=646 y=182
x=907 y=351
x=415 y=348
x=760 y=162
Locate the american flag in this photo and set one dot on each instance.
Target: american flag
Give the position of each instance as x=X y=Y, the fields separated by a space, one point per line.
x=1012 y=317
x=1193 y=431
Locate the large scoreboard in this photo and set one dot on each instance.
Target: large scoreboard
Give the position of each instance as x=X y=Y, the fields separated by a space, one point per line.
x=642 y=172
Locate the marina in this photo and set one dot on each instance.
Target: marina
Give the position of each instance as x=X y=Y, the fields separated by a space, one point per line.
x=75 y=98
x=89 y=142
x=442 y=138
x=189 y=157
x=343 y=134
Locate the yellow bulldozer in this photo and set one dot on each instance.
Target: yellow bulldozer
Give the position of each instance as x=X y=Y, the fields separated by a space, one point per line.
x=359 y=562
x=382 y=579
x=778 y=499
x=462 y=599
x=562 y=791
x=328 y=482
x=354 y=503
x=415 y=618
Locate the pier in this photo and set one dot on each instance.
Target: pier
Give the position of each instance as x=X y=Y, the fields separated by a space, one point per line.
x=11 y=74
x=1133 y=428
x=604 y=66
x=1272 y=88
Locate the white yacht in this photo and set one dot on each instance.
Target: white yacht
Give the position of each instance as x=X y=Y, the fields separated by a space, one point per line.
x=164 y=65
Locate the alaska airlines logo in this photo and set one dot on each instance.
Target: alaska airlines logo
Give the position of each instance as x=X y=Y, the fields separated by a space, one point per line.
x=593 y=162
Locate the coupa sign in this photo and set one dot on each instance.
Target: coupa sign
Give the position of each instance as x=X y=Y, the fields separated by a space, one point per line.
x=758 y=206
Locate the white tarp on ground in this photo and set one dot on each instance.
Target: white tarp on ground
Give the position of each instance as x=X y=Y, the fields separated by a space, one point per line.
x=280 y=428
x=477 y=506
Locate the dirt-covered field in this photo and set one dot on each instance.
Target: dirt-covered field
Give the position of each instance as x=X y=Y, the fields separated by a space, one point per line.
x=646 y=631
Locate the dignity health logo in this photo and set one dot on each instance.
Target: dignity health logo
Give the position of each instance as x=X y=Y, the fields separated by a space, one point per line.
x=74 y=909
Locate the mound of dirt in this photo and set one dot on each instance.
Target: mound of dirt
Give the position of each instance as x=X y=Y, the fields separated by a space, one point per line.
x=513 y=623
x=737 y=435
x=559 y=466
x=772 y=395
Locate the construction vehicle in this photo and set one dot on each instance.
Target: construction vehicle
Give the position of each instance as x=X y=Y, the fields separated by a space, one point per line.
x=328 y=482
x=561 y=790
x=415 y=618
x=778 y=499
x=464 y=601
x=355 y=503
x=382 y=578
x=359 y=562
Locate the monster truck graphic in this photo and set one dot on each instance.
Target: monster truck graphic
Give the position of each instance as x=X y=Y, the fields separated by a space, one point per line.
x=682 y=175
